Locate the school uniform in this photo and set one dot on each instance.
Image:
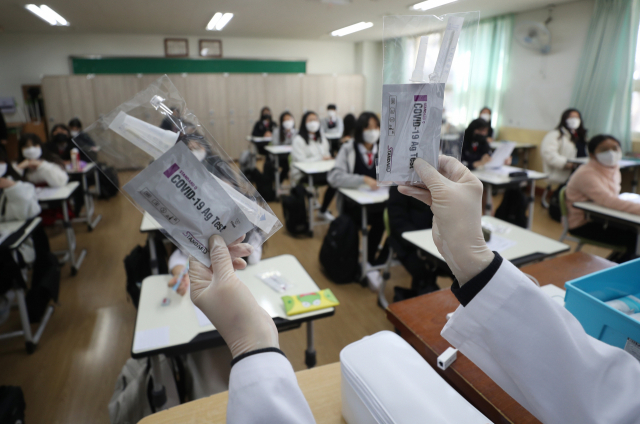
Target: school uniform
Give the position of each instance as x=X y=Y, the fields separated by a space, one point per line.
x=473 y=151
x=556 y=149
x=313 y=151
x=259 y=130
x=283 y=159
x=333 y=130
x=47 y=173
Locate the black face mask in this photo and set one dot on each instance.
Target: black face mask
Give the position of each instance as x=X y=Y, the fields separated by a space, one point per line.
x=61 y=139
x=266 y=117
x=479 y=138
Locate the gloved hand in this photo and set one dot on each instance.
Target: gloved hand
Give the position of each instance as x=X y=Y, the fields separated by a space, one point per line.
x=227 y=302
x=455 y=197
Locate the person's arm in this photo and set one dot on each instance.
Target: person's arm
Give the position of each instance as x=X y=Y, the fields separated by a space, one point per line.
x=22 y=202
x=326 y=147
x=340 y=176
x=593 y=188
x=538 y=352
x=53 y=174
x=256 y=130
x=549 y=149
x=177 y=262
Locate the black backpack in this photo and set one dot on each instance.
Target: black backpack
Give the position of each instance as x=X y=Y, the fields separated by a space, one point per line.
x=294 y=208
x=12 y=405
x=265 y=182
x=339 y=251
x=137 y=267
x=554 y=205
x=513 y=208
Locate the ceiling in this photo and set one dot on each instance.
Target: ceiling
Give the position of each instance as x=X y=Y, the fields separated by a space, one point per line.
x=299 y=19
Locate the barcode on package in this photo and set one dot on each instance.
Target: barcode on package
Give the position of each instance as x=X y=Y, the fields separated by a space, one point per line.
x=393 y=100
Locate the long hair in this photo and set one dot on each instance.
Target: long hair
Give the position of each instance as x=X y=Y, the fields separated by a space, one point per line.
x=362 y=123
x=303 y=132
x=476 y=124
x=349 y=125
x=282 y=130
x=46 y=153
x=596 y=140
x=11 y=172
x=581 y=132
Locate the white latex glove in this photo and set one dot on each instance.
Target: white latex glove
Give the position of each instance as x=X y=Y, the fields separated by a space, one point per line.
x=455 y=197
x=227 y=302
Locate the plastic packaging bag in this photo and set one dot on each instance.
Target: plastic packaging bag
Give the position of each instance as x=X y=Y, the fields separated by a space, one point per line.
x=181 y=176
x=414 y=88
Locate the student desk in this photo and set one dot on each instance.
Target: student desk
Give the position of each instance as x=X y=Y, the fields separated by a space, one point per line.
x=61 y=195
x=607 y=214
x=13 y=234
x=258 y=142
x=149 y=225
x=365 y=197
x=421 y=319
x=528 y=246
x=523 y=147
x=320 y=386
x=88 y=199
x=500 y=178
x=625 y=164
x=275 y=152
x=311 y=170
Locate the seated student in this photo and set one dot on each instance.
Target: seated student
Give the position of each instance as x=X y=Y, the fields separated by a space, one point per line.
x=39 y=166
x=567 y=141
x=409 y=214
x=349 y=122
x=355 y=166
x=284 y=135
x=83 y=140
x=485 y=113
x=476 y=151
x=264 y=128
x=60 y=143
x=333 y=127
x=599 y=181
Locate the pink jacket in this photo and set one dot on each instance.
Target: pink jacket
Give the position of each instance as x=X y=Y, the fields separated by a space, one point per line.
x=597 y=183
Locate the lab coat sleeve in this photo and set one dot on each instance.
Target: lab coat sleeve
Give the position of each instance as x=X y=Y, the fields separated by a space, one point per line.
x=22 y=202
x=263 y=389
x=52 y=174
x=550 y=151
x=540 y=355
x=340 y=176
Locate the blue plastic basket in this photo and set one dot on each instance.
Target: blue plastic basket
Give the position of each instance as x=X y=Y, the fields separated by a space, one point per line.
x=586 y=296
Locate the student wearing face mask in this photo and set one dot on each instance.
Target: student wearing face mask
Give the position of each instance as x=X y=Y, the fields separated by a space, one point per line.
x=37 y=165
x=599 y=181
x=333 y=127
x=355 y=166
x=284 y=135
x=82 y=139
x=485 y=114
x=566 y=141
x=476 y=151
x=60 y=143
x=264 y=128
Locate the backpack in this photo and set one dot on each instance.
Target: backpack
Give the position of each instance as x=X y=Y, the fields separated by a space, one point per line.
x=267 y=188
x=294 y=208
x=554 y=205
x=339 y=251
x=513 y=208
x=247 y=161
x=12 y=405
x=137 y=267
x=109 y=183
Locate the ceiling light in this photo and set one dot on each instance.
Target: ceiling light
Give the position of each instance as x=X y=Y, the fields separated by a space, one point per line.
x=430 y=4
x=218 y=21
x=351 y=29
x=45 y=13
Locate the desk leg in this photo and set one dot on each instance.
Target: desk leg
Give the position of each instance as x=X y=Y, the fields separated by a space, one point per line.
x=159 y=393
x=24 y=319
x=97 y=178
x=71 y=241
x=311 y=204
x=365 y=245
x=277 y=175
x=310 y=353
x=89 y=205
x=153 y=256
x=488 y=209
x=634 y=184
x=532 y=200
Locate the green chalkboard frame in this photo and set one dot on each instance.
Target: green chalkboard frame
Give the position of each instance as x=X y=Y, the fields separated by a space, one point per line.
x=162 y=65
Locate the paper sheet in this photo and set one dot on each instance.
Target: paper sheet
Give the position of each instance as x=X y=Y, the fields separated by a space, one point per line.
x=47 y=192
x=150 y=339
x=203 y=321
x=500 y=155
x=499 y=244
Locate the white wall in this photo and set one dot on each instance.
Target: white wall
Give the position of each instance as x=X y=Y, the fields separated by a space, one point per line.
x=369 y=64
x=539 y=86
x=25 y=58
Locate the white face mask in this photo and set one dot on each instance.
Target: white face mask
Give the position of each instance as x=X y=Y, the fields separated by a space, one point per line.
x=313 y=126
x=371 y=136
x=33 y=152
x=609 y=158
x=289 y=124
x=332 y=114
x=486 y=117
x=199 y=154
x=573 y=123
x=3 y=169
x=74 y=133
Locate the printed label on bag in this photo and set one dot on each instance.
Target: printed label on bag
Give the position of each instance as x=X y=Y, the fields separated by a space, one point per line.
x=633 y=348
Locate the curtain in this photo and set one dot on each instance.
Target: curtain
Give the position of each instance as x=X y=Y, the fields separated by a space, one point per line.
x=480 y=84
x=604 y=81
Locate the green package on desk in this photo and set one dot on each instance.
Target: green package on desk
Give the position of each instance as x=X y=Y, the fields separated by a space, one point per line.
x=309 y=302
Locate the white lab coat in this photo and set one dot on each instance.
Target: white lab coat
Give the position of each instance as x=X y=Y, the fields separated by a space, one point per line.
x=312 y=152
x=536 y=351
x=527 y=343
x=556 y=149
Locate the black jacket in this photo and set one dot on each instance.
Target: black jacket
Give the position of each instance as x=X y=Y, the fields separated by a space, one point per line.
x=259 y=129
x=406 y=213
x=472 y=151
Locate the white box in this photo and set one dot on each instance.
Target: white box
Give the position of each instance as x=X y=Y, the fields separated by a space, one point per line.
x=384 y=380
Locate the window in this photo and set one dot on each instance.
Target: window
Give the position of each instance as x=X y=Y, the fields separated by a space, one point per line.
x=635 y=99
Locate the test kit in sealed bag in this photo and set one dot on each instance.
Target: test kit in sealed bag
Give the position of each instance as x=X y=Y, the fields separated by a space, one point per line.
x=181 y=175
x=412 y=99
x=384 y=380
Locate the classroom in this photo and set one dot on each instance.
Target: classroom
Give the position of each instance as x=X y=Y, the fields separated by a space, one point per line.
x=320 y=211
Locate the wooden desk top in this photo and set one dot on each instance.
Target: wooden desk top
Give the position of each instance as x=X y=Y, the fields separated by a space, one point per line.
x=321 y=387
x=421 y=319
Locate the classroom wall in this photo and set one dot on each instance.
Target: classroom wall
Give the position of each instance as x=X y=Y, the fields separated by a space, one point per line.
x=369 y=63
x=25 y=58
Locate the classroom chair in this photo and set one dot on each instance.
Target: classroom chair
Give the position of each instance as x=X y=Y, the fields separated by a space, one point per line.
x=386 y=272
x=580 y=240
